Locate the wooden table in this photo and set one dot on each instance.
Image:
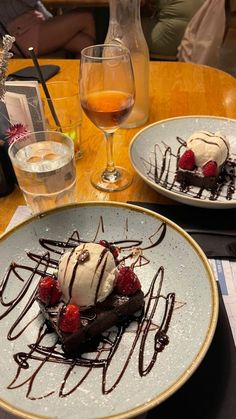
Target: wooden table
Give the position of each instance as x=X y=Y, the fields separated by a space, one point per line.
x=176 y=89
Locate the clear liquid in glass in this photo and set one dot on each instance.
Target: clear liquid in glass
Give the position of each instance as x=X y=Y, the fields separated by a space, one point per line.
x=46 y=175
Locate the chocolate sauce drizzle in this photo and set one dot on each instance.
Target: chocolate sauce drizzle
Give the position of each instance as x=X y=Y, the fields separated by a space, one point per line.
x=141 y=326
x=162 y=167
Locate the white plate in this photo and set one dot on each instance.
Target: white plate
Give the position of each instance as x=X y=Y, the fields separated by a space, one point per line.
x=186 y=273
x=149 y=145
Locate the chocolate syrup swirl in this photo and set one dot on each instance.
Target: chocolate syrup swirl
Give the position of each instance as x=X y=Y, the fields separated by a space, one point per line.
x=80 y=259
x=141 y=327
x=162 y=168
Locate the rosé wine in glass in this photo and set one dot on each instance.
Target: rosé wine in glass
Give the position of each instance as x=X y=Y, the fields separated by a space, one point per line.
x=107 y=95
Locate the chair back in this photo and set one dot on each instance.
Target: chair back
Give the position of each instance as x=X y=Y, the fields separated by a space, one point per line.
x=204 y=34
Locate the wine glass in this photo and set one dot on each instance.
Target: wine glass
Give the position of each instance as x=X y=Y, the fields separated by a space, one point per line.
x=107 y=96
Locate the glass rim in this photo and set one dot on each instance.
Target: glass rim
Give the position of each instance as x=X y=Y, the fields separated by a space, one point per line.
x=61 y=82
x=39 y=132
x=113 y=45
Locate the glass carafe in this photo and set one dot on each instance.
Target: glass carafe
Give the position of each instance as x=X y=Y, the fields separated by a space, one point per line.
x=125 y=27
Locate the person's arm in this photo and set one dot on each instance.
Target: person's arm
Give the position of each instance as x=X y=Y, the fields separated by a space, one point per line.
x=42 y=9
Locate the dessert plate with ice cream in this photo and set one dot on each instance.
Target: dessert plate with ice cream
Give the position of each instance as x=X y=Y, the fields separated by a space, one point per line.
x=106 y=310
x=189 y=159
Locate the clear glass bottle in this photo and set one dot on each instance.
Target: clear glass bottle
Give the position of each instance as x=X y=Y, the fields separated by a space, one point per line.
x=125 y=27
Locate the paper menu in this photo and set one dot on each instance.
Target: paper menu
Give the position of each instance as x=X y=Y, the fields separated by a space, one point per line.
x=225 y=272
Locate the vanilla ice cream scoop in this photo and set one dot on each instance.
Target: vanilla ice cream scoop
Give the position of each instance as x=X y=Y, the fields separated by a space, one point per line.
x=87 y=274
x=208 y=146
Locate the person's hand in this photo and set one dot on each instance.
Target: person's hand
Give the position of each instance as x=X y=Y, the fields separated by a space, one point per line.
x=39 y=15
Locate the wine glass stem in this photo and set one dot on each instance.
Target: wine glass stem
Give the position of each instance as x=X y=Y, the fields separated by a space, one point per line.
x=110 y=174
x=109 y=142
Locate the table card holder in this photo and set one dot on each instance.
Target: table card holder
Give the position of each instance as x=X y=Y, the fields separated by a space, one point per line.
x=24 y=105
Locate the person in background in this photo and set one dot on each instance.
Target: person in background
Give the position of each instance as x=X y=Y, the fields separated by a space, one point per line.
x=33 y=26
x=164 y=23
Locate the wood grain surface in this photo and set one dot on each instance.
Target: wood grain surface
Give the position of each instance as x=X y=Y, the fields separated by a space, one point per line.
x=176 y=89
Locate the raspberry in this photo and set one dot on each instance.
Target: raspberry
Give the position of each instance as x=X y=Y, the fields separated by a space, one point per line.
x=49 y=290
x=69 y=321
x=187 y=160
x=210 y=169
x=127 y=282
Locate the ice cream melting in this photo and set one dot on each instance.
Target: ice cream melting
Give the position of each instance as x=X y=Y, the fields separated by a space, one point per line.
x=87 y=274
x=208 y=146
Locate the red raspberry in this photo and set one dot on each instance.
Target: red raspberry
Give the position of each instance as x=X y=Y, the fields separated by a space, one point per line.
x=49 y=290
x=187 y=160
x=69 y=321
x=127 y=282
x=210 y=169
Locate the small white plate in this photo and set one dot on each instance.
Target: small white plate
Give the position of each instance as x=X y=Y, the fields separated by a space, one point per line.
x=34 y=377
x=147 y=153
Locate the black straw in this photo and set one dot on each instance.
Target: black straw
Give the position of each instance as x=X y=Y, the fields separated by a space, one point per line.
x=42 y=81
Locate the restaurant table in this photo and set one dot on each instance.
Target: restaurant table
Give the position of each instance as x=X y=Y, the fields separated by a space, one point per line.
x=176 y=89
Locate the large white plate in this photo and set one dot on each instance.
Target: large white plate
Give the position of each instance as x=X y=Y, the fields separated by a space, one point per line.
x=37 y=381
x=147 y=153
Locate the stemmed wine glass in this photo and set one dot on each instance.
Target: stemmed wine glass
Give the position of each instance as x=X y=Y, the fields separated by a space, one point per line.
x=107 y=96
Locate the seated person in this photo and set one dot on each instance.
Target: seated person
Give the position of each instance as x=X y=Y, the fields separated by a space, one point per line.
x=33 y=26
x=164 y=23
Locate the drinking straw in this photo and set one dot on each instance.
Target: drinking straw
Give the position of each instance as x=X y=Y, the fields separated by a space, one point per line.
x=42 y=81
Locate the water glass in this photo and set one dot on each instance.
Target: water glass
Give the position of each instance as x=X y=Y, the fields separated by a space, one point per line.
x=66 y=103
x=44 y=164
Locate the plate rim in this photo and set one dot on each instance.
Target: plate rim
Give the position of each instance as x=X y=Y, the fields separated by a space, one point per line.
x=171 y=194
x=184 y=377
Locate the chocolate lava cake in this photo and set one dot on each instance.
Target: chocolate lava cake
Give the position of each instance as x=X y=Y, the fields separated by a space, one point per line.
x=78 y=318
x=203 y=161
x=114 y=310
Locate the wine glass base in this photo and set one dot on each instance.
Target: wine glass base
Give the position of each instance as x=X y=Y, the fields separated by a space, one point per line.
x=124 y=179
